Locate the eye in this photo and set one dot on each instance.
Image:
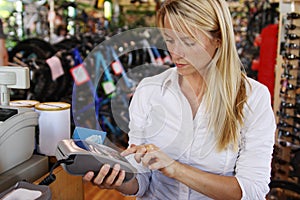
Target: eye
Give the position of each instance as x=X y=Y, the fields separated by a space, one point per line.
x=170 y=41
x=189 y=42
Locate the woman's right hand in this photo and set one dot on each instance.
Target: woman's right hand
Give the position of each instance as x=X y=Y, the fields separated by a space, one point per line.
x=107 y=178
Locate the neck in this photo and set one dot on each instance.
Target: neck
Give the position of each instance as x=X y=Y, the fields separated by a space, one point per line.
x=193 y=87
x=193 y=83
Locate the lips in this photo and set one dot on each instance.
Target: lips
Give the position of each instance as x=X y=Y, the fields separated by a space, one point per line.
x=180 y=65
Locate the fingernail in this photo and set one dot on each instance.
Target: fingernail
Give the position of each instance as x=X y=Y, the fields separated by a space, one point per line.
x=90 y=175
x=117 y=167
x=105 y=167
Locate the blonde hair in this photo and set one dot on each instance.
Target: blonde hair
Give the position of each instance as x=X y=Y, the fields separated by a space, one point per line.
x=226 y=82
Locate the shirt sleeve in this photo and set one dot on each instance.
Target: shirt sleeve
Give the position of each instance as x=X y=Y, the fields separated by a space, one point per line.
x=138 y=110
x=253 y=168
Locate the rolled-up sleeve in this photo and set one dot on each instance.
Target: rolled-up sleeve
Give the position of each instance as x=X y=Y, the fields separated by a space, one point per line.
x=143 y=181
x=138 y=119
x=253 y=168
x=142 y=176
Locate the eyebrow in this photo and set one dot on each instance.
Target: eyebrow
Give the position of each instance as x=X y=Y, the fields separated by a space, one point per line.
x=167 y=35
x=182 y=38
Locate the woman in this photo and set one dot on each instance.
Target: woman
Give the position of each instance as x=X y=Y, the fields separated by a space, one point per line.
x=202 y=130
x=3 y=51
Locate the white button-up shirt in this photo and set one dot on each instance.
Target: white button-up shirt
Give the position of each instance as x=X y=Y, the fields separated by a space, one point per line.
x=160 y=114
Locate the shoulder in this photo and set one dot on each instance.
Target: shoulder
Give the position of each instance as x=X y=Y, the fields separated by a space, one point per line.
x=258 y=99
x=259 y=115
x=256 y=89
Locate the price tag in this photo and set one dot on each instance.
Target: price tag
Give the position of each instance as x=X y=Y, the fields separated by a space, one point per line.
x=108 y=87
x=56 y=67
x=117 y=68
x=80 y=75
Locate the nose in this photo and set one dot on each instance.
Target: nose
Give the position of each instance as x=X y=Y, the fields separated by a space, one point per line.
x=177 y=51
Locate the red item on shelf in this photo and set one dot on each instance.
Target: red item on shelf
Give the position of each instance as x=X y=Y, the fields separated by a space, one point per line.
x=268 y=54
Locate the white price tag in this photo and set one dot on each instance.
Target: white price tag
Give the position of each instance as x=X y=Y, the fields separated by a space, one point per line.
x=56 y=67
x=117 y=68
x=108 y=87
x=80 y=75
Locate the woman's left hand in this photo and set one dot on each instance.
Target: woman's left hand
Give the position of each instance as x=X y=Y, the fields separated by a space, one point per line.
x=153 y=158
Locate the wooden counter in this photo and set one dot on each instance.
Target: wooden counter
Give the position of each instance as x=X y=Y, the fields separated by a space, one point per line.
x=65 y=187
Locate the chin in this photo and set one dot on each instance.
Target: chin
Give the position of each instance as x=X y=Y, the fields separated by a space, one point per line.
x=184 y=71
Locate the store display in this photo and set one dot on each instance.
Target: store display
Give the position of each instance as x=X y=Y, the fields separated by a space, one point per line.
x=111 y=62
x=250 y=18
x=289 y=107
x=279 y=189
x=34 y=54
x=286 y=157
x=82 y=156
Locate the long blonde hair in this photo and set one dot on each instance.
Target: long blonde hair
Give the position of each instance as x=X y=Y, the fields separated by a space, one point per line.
x=226 y=82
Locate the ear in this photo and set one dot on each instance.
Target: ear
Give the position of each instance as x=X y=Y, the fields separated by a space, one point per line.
x=217 y=42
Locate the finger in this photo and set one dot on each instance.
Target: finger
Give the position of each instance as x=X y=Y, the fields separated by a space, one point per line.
x=150 y=147
x=111 y=178
x=141 y=151
x=132 y=149
x=148 y=159
x=120 y=179
x=102 y=174
x=88 y=176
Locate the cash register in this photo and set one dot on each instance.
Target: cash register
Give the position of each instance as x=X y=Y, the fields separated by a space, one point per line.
x=17 y=132
x=17 y=136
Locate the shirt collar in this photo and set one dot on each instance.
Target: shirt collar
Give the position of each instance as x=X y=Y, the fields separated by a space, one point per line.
x=170 y=81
